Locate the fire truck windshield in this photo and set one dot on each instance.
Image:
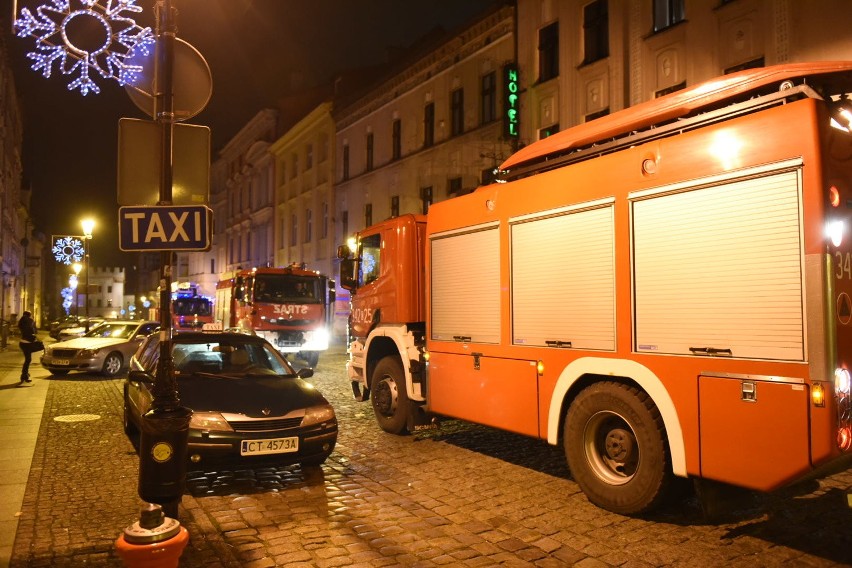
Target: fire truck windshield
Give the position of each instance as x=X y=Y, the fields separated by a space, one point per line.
x=196 y=306
x=281 y=288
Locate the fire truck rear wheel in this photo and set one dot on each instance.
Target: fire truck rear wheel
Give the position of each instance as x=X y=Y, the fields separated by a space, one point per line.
x=616 y=447
x=310 y=357
x=390 y=401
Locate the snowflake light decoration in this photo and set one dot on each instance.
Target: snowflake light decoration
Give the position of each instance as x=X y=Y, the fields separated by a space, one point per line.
x=68 y=250
x=67 y=296
x=56 y=28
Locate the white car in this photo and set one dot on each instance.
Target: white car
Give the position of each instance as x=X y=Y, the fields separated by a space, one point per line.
x=106 y=349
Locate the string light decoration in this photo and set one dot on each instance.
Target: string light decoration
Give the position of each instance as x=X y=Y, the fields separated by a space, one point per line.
x=63 y=30
x=68 y=250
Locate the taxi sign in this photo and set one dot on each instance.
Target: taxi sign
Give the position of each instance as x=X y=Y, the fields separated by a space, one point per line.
x=164 y=228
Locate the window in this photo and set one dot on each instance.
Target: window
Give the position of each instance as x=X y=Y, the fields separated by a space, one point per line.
x=395 y=206
x=344 y=223
x=370 y=266
x=282 y=175
x=324 y=228
x=548 y=52
x=668 y=13
x=457 y=112
x=309 y=225
x=672 y=89
x=212 y=266
x=429 y=125
x=368 y=214
x=323 y=147
x=345 y=162
x=595 y=31
x=598 y=114
x=455 y=186
x=488 y=98
x=426 y=198
x=396 y=150
x=549 y=131
x=369 y=151
x=488 y=176
x=294 y=171
x=294 y=230
x=309 y=156
x=753 y=64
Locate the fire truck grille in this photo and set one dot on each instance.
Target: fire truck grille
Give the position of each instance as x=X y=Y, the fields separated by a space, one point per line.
x=265 y=425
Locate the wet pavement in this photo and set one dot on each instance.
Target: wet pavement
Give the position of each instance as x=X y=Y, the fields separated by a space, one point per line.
x=463 y=495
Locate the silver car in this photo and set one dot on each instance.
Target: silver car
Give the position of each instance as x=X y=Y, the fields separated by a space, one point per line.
x=106 y=349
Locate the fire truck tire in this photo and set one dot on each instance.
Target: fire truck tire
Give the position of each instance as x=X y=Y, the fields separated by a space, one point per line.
x=616 y=447
x=390 y=400
x=310 y=357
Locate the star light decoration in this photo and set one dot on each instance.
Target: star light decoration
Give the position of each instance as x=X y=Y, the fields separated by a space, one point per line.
x=121 y=38
x=68 y=250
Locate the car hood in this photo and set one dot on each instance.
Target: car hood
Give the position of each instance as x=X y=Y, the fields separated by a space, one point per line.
x=88 y=342
x=248 y=396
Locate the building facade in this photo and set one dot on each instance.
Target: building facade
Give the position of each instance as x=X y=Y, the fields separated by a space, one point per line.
x=582 y=59
x=304 y=192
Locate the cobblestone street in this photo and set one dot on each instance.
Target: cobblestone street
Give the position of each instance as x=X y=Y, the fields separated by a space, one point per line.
x=461 y=495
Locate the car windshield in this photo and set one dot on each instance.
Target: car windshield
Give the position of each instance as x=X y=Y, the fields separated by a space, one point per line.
x=113 y=330
x=228 y=358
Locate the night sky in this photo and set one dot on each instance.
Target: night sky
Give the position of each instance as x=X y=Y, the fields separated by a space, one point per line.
x=257 y=50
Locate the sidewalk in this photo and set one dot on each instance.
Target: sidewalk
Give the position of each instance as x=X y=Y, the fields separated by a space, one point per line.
x=69 y=474
x=21 y=408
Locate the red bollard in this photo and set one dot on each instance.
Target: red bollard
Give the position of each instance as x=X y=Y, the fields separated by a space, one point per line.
x=155 y=541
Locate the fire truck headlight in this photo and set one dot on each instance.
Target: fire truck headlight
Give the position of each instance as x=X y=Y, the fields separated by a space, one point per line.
x=841 y=381
x=321 y=335
x=834 y=231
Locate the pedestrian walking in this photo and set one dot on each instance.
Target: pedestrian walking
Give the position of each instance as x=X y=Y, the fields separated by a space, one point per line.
x=27 y=344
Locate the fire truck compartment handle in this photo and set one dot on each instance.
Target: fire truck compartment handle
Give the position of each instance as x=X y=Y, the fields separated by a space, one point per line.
x=462 y=338
x=711 y=351
x=558 y=343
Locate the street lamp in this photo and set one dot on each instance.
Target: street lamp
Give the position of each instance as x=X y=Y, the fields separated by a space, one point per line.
x=76 y=267
x=88 y=227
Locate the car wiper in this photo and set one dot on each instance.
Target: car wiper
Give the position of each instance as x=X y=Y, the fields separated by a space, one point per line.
x=213 y=375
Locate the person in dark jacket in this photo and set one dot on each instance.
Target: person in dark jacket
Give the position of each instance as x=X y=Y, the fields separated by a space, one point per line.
x=28 y=335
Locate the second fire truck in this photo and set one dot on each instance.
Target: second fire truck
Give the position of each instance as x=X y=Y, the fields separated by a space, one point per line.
x=291 y=307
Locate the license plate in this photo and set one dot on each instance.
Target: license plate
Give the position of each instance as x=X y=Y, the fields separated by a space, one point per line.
x=270 y=446
x=61 y=362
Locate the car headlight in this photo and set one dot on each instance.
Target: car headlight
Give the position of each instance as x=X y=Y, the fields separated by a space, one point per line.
x=318 y=414
x=210 y=421
x=88 y=353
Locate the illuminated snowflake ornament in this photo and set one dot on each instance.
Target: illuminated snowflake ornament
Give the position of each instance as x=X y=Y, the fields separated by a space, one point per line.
x=85 y=38
x=68 y=250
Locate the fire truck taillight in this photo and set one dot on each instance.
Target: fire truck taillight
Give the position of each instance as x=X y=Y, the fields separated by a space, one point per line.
x=818 y=395
x=834 y=231
x=842 y=381
x=540 y=368
x=844 y=438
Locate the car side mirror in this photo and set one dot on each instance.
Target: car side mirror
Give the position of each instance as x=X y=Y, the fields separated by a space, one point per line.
x=305 y=373
x=140 y=377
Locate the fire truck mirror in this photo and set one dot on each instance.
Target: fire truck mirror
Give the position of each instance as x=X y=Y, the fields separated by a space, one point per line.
x=238 y=288
x=348 y=273
x=343 y=251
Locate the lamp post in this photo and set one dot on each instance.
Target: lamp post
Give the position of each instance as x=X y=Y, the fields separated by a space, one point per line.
x=165 y=428
x=76 y=267
x=88 y=227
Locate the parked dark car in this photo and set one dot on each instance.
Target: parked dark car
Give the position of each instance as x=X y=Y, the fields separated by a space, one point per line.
x=106 y=349
x=250 y=407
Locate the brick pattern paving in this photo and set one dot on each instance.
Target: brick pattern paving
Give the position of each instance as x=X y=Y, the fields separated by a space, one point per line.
x=463 y=495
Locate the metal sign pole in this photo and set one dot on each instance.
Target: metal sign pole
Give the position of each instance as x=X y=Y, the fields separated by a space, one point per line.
x=165 y=428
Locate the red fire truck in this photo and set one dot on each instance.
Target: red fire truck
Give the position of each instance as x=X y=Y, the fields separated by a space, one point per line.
x=291 y=307
x=665 y=292
x=190 y=310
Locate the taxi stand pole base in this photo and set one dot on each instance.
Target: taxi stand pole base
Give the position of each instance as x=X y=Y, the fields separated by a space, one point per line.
x=165 y=428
